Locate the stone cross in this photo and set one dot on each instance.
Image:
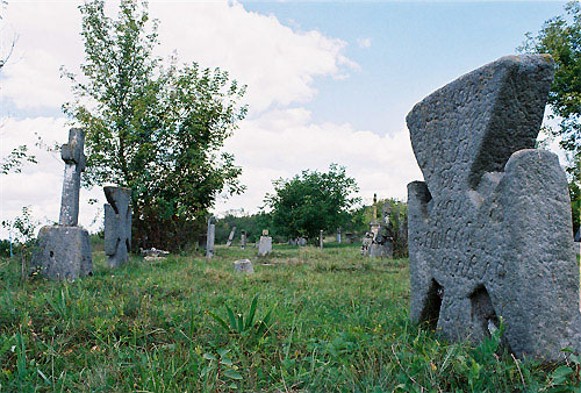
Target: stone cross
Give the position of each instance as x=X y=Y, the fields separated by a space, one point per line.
x=117 y=225
x=75 y=160
x=490 y=229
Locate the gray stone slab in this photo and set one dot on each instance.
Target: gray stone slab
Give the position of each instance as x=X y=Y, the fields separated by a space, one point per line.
x=490 y=229
x=62 y=253
x=117 y=225
x=264 y=246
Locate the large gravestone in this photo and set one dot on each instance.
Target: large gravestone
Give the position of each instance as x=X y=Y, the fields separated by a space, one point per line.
x=490 y=229
x=117 y=225
x=264 y=244
x=64 y=250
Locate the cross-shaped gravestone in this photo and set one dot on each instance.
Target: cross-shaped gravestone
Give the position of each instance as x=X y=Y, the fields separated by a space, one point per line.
x=64 y=251
x=117 y=225
x=75 y=160
x=490 y=229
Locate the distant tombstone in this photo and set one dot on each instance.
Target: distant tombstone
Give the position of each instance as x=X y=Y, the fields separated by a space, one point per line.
x=211 y=237
x=264 y=244
x=302 y=241
x=64 y=250
x=490 y=229
x=243 y=266
x=243 y=240
x=231 y=237
x=349 y=238
x=117 y=225
x=339 y=236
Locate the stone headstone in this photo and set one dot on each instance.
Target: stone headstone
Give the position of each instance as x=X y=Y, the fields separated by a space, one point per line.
x=117 y=225
x=339 y=239
x=490 y=229
x=243 y=266
x=64 y=250
x=243 y=240
x=211 y=237
x=264 y=246
x=321 y=239
x=231 y=237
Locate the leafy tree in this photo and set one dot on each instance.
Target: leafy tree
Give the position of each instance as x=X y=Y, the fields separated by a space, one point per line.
x=561 y=38
x=312 y=201
x=156 y=128
x=14 y=161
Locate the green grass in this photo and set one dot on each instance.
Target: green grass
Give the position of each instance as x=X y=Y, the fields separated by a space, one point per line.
x=339 y=322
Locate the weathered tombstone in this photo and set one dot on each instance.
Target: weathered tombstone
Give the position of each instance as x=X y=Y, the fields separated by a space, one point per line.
x=264 y=244
x=211 y=237
x=302 y=241
x=231 y=237
x=321 y=239
x=243 y=240
x=490 y=229
x=377 y=242
x=64 y=250
x=243 y=266
x=117 y=225
x=339 y=236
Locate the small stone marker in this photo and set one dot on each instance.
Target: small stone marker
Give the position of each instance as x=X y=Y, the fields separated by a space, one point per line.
x=117 y=225
x=321 y=239
x=211 y=237
x=243 y=240
x=339 y=236
x=243 y=266
x=490 y=229
x=64 y=250
x=231 y=237
x=264 y=244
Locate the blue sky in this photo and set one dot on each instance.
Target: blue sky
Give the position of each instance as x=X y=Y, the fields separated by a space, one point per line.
x=415 y=47
x=328 y=82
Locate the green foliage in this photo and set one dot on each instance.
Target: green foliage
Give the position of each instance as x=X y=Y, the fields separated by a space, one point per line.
x=243 y=326
x=561 y=38
x=158 y=129
x=14 y=161
x=253 y=224
x=342 y=325
x=312 y=201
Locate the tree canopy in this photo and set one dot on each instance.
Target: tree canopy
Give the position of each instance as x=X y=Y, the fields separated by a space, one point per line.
x=312 y=201
x=561 y=38
x=153 y=125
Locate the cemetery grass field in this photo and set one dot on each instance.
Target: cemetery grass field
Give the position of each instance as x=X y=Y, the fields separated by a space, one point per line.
x=324 y=321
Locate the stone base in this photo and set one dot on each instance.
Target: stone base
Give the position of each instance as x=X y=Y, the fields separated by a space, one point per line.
x=243 y=266
x=63 y=253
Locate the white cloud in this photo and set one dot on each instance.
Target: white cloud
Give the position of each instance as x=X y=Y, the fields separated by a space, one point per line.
x=39 y=185
x=282 y=143
x=364 y=43
x=277 y=63
x=280 y=65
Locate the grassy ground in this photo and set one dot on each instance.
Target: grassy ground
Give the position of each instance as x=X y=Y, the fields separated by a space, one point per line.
x=339 y=322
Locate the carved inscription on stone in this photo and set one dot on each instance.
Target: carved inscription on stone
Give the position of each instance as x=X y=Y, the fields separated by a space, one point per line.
x=490 y=229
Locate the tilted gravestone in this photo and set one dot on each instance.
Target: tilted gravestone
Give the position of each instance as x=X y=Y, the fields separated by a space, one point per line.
x=117 y=225
x=64 y=251
x=231 y=237
x=490 y=229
